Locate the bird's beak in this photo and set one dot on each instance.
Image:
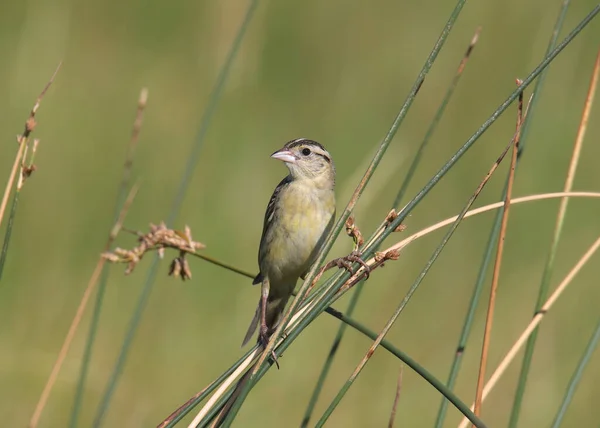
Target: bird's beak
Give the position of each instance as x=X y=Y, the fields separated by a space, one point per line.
x=285 y=156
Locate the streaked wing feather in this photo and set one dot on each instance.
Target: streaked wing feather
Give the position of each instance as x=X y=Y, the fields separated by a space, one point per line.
x=268 y=219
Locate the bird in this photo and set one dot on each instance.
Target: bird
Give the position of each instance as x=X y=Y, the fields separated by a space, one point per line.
x=299 y=216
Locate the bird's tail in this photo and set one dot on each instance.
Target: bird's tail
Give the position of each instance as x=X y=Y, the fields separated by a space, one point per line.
x=253 y=326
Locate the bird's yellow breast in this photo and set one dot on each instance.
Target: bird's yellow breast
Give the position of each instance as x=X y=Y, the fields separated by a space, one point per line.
x=305 y=217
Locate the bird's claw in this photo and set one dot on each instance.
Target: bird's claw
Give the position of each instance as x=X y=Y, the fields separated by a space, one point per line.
x=263 y=337
x=346 y=263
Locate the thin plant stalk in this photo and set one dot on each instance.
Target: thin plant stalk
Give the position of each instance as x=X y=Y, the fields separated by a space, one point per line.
x=25 y=172
x=120 y=201
x=574 y=382
x=408 y=178
x=78 y=316
x=225 y=265
x=396 y=399
x=486 y=208
x=478 y=423
x=549 y=267
x=182 y=190
x=11 y=177
x=23 y=142
x=534 y=323
x=498 y=263
x=8 y=233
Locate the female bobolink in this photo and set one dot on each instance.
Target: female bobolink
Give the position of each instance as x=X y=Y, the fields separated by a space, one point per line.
x=299 y=217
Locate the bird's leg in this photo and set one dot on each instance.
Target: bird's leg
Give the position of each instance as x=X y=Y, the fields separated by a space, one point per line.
x=264 y=330
x=263 y=333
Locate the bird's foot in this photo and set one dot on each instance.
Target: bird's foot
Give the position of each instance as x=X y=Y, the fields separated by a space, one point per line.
x=263 y=337
x=346 y=263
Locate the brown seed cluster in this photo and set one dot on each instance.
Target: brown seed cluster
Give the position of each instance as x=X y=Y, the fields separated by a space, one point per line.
x=391 y=217
x=353 y=231
x=159 y=238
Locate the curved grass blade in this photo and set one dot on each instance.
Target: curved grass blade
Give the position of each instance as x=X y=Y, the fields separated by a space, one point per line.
x=192 y=161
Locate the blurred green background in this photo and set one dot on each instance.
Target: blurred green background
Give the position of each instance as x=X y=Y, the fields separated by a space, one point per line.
x=337 y=72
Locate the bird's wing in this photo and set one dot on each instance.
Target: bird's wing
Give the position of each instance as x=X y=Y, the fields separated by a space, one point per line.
x=268 y=221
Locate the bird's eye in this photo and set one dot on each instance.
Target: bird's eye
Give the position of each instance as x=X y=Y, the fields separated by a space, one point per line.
x=306 y=151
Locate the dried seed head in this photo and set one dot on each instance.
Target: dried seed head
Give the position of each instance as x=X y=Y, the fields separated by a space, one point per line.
x=30 y=125
x=392 y=255
x=111 y=257
x=400 y=228
x=159 y=238
x=353 y=231
x=379 y=256
x=392 y=215
x=186 y=272
x=180 y=268
x=28 y=170
x=175 y=268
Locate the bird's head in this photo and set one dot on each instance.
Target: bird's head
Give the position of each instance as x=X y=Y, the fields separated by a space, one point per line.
x=307 y=159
